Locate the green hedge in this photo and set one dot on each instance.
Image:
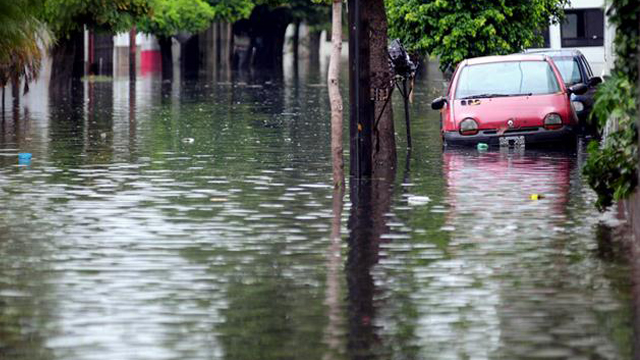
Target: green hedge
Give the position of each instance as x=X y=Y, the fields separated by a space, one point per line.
x=612 y=166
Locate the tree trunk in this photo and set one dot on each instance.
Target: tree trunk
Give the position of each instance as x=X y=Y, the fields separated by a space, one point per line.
x=335 y=97
x=384 y=143
x=314 y=49
x=268 y=28
x=15 y=88
x=132 y=54
x=67 y=60
x=167 y=57
x=190 y=57
x=296 y=43
x=636 y=221
x=15 y=93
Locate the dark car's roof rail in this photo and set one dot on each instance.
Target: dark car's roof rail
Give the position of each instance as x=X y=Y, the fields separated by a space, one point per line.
x=556 y=52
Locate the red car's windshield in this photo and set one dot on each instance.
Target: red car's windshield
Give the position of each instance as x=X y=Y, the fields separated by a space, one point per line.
x=508 y=78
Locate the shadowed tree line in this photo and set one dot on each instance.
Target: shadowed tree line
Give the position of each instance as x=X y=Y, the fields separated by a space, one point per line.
x=264 y=22
x=259 y=27
x=25 y=26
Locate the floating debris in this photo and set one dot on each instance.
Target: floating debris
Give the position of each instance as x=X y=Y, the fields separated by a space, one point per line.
x=418 y=200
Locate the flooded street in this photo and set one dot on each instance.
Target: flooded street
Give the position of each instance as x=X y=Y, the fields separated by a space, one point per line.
x=194 y=221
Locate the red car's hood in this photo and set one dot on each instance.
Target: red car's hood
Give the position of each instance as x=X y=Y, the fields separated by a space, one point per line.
x=494 y=113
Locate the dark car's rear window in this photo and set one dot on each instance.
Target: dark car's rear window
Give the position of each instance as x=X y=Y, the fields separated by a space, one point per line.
x=508 y=78
x=569 y=69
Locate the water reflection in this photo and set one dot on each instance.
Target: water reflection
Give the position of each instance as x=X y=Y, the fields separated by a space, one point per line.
x=333 y=334
x=519 y=271
x=196 y=220
x=363 y=255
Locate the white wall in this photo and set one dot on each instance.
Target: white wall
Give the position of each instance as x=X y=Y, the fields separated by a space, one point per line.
x=144 y=41
x=600 y=57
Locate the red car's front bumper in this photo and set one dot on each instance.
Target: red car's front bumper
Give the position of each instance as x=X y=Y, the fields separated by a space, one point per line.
x=540 y=136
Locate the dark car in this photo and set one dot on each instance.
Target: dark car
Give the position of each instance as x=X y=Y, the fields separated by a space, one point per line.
x=575 y=69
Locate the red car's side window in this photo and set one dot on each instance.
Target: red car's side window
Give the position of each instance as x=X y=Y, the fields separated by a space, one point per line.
x=453 y=78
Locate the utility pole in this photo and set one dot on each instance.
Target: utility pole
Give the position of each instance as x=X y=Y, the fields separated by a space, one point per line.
x=91 y=54
x=132 y=54
x=361 y=104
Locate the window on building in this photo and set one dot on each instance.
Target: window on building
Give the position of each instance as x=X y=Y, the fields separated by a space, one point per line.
x=583 y=27
x=544 y=33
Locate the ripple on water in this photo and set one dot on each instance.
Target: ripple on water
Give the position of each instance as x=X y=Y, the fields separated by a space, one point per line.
x=125 y=246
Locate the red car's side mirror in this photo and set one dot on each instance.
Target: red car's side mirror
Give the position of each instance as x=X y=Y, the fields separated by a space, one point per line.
x=438 y=103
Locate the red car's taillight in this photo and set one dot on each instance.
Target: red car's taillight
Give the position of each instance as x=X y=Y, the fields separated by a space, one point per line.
x=552 y=122
x=468 y=126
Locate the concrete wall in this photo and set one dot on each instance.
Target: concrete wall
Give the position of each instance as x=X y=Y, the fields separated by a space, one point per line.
x=631 y=208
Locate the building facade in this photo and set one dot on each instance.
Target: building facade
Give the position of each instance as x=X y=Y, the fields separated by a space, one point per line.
x=586 y=28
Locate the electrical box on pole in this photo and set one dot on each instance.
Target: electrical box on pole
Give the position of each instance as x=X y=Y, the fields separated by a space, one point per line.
x=361 y=115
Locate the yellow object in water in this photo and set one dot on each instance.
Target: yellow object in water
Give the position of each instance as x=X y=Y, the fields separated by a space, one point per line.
x=536 y=197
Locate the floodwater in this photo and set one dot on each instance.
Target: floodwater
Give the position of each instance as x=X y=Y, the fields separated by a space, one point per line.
x=197 y=220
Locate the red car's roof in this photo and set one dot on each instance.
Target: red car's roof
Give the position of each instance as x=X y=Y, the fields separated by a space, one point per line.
x=502 y=58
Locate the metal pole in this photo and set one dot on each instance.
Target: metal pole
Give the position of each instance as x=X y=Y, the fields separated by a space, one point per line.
x=405 y=95
x=361 y=104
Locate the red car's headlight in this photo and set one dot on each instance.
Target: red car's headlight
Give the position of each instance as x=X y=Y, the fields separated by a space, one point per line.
x=468 y=126
x=552 y=121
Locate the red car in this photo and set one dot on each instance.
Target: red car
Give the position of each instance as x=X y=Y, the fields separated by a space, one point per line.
x=509 y=100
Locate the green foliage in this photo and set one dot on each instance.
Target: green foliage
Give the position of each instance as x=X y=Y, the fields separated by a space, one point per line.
x=614 y=98
x=22 y=37
x=311 y=12
x=232 y=10
x=624 y=15
x=170 y=17
x=459 y=29
x=19 y=24
x=173 y=16
x=612 y=167
x=24 y=63
x=68 y=16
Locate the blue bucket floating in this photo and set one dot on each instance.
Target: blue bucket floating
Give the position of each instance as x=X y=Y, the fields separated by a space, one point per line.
x=24 y=159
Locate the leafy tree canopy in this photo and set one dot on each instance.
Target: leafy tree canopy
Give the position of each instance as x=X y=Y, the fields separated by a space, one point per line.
x=17 y=19
x=459 y=29
x=173 y=16
x=19 y=25
x=22 y=37
x=68 y=16
x=313 y=13
x=232 y=10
